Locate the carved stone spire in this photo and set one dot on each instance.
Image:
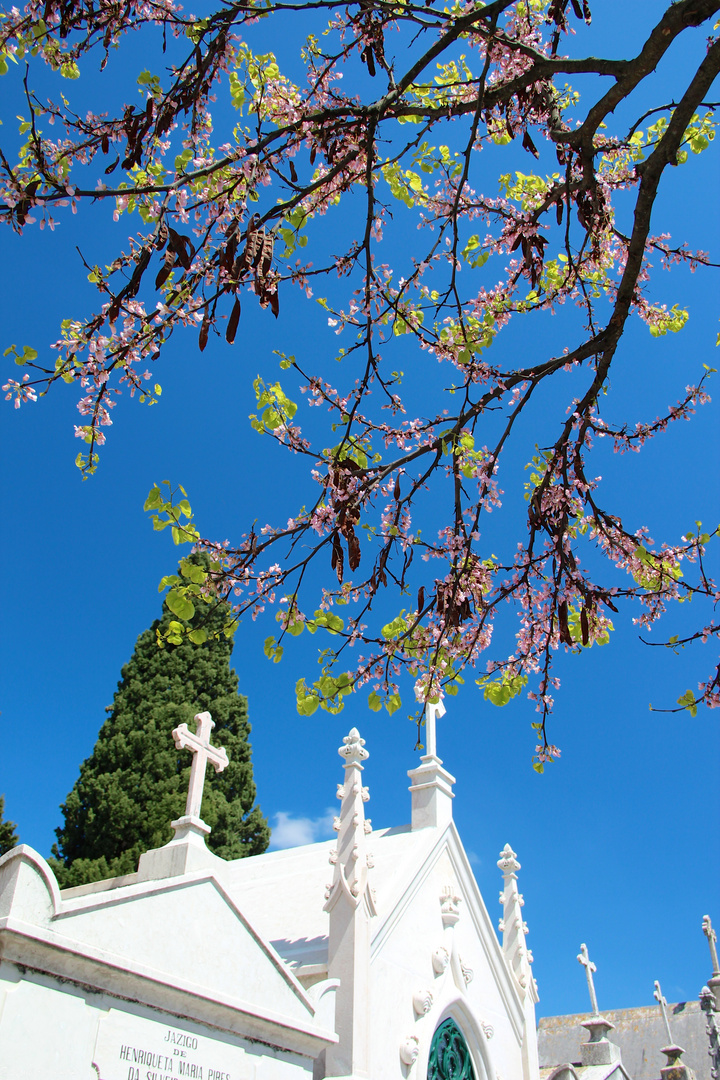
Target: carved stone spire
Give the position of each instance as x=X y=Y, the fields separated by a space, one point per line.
x=519 y=958
x=707 y=1004
x=351 y=858
x=514 y=929
x=350 y=902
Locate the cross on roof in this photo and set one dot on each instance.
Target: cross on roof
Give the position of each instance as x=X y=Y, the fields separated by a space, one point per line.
x=712 y=940
x=203 y=752
x=431 y=712
x=658 y=995
x=589 y=968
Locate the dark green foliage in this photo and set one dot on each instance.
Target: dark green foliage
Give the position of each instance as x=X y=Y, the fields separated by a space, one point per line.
x=135 y=782
x=8 y=836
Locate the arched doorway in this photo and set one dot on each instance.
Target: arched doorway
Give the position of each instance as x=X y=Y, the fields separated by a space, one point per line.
x=449 y=1054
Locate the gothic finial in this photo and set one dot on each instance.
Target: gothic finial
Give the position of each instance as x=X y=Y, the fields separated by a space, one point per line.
x=508 y=861
x=707 y=1004
x=351 y=859
x=514 y=929
x=353 y=748
x=587 y=963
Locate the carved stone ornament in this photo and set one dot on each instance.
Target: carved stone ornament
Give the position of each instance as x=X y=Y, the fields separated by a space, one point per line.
x=488 y=1030
x=449 y=901
x=333 y=856
x=353 y=748
x=409 y=1050
x=468 y=973
x=422 y=1002
x=508 y=860
x=440 y=960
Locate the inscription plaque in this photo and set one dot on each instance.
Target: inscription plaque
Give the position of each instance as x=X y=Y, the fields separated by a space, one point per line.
x=132 y=1048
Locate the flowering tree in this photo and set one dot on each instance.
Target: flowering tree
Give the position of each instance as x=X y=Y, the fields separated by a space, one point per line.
x=397 y=112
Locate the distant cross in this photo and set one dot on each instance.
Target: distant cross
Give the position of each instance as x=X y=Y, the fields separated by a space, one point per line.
x=657 y=994
x=712 y=940
x=431 y=712
x=203 y=752
x=589 y=968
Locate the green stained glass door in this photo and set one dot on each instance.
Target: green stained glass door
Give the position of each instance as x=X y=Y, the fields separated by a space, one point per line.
x=449 y=1054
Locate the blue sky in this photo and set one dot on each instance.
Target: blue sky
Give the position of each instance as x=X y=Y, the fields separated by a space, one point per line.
x=617 y=841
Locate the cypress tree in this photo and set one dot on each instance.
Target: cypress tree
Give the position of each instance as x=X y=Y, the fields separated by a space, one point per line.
x=135 y=782
x=8 y=836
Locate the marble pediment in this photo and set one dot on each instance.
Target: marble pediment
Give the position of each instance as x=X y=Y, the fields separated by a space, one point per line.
x=181 y=944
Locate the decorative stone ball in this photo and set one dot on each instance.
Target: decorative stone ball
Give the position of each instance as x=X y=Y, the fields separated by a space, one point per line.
x=409 y=1050
x=440 y=960
x=422 y=1002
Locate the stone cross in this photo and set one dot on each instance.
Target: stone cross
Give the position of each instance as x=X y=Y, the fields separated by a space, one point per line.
x=658 y=995
x=712 y=940
x=589 y=968
x=431 y=712
x=203 y=752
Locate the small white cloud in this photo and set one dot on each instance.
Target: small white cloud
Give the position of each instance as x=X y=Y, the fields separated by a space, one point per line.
x=473 y=859
x=289 y=831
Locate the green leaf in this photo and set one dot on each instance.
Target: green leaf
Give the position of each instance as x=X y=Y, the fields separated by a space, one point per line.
x=269 y=646
x=688 y=702
x=375 y=702
x=154 y=499
x=502 y=690
x=333 y=623
x=393 y=703
x=395 y=628
x=306 y=703
x=169 y=579
x=175 y=633
x=180 y=605
x=192 y=572
x=199 y=636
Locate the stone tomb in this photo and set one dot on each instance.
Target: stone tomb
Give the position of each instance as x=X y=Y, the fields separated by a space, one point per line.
x=371 y=957
x=153 y=976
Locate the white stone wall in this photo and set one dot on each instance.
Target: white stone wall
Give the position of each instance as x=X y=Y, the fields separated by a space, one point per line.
x=52 y=1029
x=426 y=968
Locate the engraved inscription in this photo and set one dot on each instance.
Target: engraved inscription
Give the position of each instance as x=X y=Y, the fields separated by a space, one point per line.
x=132 y=1048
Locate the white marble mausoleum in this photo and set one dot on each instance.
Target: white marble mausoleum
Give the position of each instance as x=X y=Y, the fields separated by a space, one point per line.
x=371 y=957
